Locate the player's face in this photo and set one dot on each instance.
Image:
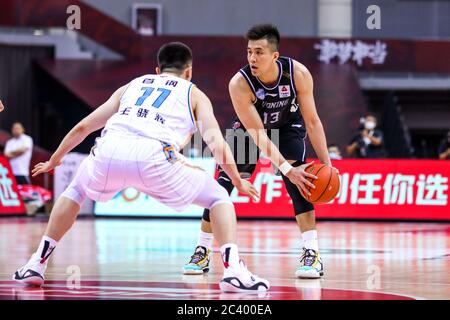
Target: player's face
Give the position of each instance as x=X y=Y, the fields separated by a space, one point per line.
x=260 y=56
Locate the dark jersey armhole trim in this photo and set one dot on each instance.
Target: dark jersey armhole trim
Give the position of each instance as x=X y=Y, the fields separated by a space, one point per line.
x=250 y=84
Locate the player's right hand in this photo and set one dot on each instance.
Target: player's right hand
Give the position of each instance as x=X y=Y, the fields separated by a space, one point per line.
x=298 y=176
x=247 y=188
x=42 y=167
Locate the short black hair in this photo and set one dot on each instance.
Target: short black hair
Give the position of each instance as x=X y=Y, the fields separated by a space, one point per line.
x=265 y=31
x=174 y=55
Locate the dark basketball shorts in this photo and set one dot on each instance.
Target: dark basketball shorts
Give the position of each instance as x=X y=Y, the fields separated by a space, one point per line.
x=290 y=140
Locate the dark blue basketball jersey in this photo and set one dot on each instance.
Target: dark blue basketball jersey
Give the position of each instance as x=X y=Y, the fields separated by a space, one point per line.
x=276 y=105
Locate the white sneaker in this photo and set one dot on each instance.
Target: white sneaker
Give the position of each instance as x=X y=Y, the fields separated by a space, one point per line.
x=242 y=280
x=31 y=274
x=311 y=265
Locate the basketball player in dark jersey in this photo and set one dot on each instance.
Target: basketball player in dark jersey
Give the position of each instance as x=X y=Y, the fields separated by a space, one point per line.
x=273 y=93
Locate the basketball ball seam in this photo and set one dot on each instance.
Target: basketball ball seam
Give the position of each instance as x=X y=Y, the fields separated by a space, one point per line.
x=328 y=183
x=309 y=188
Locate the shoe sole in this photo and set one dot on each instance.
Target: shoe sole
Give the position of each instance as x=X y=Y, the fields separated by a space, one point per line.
x=195 y=272
x=301 y=275
x=30 y=281
x=226 y=287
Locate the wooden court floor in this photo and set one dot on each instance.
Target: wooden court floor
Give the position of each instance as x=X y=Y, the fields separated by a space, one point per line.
x=142 y=259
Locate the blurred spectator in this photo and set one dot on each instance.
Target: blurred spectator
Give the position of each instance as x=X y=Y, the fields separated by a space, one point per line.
x=19 y=149
x=444 y=148
x=368 y=143
x=334 y=152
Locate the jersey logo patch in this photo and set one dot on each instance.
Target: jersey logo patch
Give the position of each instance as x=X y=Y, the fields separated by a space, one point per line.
x=260 y=94
x=169 y=151
x=284 y=91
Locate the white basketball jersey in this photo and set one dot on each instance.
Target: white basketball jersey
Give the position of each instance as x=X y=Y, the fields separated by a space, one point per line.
x=157 y=107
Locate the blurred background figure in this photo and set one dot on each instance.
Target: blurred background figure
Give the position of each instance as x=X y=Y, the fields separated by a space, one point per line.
x=368 y=143
x=18 y=150
x=335 y=153
x=444 y=148
x=146 y=25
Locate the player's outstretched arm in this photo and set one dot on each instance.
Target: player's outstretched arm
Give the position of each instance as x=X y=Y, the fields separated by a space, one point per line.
x=211 y=134
x=94 y=121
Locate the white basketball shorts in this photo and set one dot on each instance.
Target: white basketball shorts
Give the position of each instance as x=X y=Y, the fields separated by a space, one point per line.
x=117 y=162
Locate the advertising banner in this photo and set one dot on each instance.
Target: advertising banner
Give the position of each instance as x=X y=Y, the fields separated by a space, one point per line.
x=10 y=200
x=370 y=189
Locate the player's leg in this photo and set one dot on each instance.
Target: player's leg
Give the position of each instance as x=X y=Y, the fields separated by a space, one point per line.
x=62 y=218
x=246 y=155
x=199 y=262
x=292 y=146
x=311 y=265
x=178 y=185
x=236 y=277
x=91 y=180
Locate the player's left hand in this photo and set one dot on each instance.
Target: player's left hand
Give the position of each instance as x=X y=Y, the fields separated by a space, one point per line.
x=247 y=188
x=42 y=167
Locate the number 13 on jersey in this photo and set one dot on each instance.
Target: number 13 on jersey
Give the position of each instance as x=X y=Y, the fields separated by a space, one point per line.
x=158 y=101
x=271 y=117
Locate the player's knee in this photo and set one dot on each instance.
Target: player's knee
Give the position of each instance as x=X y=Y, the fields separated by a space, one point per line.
x=302 y=206
x=220 y=196
x=225 y=182
x=211 y=195
x=74 y=195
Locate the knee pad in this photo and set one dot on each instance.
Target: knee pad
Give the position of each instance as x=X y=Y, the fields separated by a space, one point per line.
x=301 y=205
x=225 y=182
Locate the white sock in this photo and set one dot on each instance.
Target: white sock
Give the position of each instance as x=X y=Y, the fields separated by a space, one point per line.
x=230 y=255
x=205 y=239
x=45 y=249
x=310 y=240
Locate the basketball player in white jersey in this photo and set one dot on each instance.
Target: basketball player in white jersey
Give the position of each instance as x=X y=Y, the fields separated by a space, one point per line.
x=146 y=123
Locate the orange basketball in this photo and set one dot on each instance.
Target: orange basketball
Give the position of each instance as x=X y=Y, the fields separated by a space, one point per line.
x=327 y=184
